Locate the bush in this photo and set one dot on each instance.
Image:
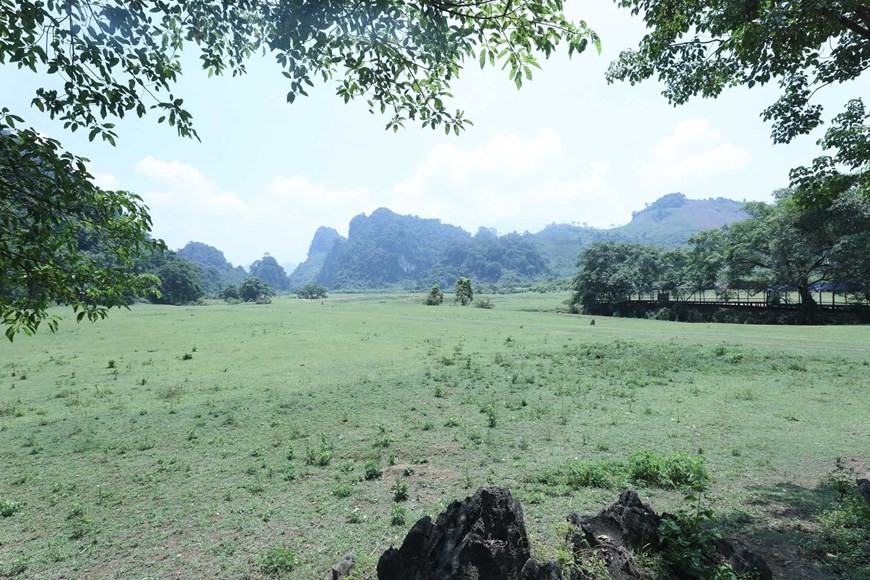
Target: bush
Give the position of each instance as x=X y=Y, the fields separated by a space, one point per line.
x=312 y=292
x=278 y=560
x=8 y=507
x=435 y=297
x=592 y=474
x=484 y=303
x=373 y=470
x=320 y=456
x=675 y=470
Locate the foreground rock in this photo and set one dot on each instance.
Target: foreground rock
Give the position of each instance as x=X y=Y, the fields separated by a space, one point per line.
x=611 y=536
x=484 y=538
x=481 y=537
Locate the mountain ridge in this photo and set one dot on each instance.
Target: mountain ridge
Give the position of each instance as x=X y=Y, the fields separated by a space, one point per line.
x=385 y=249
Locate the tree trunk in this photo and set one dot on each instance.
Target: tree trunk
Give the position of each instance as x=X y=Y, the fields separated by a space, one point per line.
x=808 y=305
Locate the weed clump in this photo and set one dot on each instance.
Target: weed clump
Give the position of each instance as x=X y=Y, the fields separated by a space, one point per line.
x=319 y=456
x=398 y=515
x=677 y=470
x=671 y=471
x=400 y=490
x=278 y=560
x=372 y=470
x=8 y=507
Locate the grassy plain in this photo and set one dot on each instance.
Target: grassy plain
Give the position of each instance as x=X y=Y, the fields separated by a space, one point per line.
x=189 y=441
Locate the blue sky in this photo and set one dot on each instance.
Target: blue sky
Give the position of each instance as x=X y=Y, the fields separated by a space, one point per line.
x=565 y=148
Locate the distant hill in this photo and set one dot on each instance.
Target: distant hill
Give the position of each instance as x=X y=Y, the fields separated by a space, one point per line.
x=387 y=249
x=384 y=249
x=667 y=222
x=217 y=272
x=306 y=272
x=672 y=219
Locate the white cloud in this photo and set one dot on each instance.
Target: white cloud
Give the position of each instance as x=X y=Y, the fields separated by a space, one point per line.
x=509 y=183
x=693 y=150
x=279 y=218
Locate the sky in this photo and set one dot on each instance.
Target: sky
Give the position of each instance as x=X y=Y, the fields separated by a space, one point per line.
x=566 y=148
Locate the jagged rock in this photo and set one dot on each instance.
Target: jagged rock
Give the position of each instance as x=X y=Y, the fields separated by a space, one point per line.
x=482 y=537
x=864 y=488
x=534 y=570
x=628 y=522
x=341 y=568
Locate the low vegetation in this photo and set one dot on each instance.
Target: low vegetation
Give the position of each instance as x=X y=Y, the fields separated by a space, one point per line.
x=225 y=441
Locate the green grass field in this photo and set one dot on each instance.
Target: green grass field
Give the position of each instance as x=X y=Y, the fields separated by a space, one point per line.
x=189 y=441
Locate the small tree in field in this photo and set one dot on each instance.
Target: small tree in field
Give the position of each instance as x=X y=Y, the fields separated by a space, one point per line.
x=435 y=297
x=231 y=292
x=255 y=290
x=312 y=292
x=464 y=292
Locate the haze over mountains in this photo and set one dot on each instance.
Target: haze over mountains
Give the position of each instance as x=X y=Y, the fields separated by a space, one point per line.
x=385 y=249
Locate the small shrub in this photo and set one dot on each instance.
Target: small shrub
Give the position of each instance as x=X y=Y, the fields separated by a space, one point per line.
x=400 y=490
x=278 y=560
x=320 y=456
x=485 y=303
x=688 y=541
x=591 y=474
x=373 y=470
x=342 y=490
x=186 y=356
x=398 y=515
x=8 y=507
x=491 y=415
x=672 y=471
x=111 y=364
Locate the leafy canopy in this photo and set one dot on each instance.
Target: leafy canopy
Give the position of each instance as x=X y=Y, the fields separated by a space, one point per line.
x=699 y=47
x=62 y=239
x=122 y=58
x=464 y=291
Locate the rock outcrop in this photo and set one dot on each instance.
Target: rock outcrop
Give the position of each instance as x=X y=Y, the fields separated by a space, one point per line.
x=484 y=537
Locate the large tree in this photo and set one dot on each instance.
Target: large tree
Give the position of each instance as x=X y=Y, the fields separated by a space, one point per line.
x=62 y=239
x=614 y=271
x=783 y=244
x=113 y=58
x=701 y=47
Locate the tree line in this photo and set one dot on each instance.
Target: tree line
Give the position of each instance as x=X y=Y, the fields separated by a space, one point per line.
x=783 y=245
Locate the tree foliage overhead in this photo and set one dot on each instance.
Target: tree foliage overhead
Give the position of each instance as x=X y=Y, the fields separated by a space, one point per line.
x=62 y=239
x=698 y=47
x=121 y=57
